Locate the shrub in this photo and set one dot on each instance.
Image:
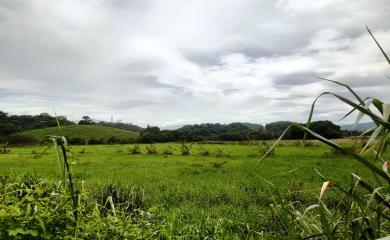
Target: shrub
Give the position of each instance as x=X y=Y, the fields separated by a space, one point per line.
x=222 y=153
x=204 y=152
x=135 y=149
x=185 y=149
x=264 y=148
x=4 y=148
x=167 y=151
x=151 y=149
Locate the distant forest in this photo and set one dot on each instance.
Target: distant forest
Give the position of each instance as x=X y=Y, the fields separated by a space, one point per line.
x=13 y=124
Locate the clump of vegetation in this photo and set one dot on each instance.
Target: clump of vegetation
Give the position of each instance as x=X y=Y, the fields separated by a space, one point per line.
x=4 y=148
x=265 y=148
x=218 y=165
x=185 y=149
x=204 y=152
x=33 y=208
x=151 y=149
x=135 y=149
x=82 y=151
x=119 y=150
x=221 y=153
x=167 y=151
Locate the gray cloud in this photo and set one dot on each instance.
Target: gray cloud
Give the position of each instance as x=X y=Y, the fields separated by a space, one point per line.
x=182 y=62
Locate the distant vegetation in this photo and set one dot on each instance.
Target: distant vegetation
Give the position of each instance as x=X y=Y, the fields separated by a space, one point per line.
x=81 y=134
x=10 y=124
x=236 y=132
x=13 y=130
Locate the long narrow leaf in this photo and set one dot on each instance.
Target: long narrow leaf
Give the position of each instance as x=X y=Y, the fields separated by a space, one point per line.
x=367 y=112
x=374 y=135
x=359 y=158
x=361 y=101
x=379 y=46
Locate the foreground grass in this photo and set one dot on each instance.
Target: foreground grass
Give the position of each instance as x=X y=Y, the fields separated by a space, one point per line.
x=196 y=194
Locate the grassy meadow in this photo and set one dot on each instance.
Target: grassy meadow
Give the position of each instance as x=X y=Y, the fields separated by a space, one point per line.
x=227 y=193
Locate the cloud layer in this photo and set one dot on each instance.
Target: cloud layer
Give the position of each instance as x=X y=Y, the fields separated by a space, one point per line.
x=177 y=62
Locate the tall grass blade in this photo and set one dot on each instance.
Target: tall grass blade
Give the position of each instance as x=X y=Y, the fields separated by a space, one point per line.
x=379 y=46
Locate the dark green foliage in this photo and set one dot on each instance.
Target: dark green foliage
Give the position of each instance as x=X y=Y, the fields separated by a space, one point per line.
x=18 y=123
x=114 y=140
x=19 y=140
x=76 y=141
x=86 y=120
x=94 y=141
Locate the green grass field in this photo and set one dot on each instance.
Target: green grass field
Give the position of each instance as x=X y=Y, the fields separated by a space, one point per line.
x=85 y=132
x=231 y=191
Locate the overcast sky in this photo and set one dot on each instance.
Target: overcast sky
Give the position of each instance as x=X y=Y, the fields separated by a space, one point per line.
x=178 y=62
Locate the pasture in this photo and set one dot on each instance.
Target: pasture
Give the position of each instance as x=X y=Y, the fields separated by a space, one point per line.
x=216 y=190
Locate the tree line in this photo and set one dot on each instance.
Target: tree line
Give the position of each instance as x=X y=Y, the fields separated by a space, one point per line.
x=10 y=124
x=236 y=132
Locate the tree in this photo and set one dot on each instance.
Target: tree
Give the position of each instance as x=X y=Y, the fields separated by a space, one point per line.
x=86 y=120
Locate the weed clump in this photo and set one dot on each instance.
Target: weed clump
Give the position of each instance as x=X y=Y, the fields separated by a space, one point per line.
x=4 y=149
x=167 y=151
x=265 y=148
x=135 y=149
x=185 y=149
x=221 y=153
x=151 y=149
x=204 y=152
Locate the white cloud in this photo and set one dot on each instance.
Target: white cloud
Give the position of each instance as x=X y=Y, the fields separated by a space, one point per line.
x=183 y=62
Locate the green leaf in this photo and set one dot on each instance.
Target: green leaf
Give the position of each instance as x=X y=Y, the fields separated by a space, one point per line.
x=379 y=46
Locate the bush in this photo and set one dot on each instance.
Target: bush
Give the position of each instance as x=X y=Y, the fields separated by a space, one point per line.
x=185 y=149
x=222 y=153
x=204 y=152
x=167 y=151
x=151 y=149
x=4 y=148
x=135 y=149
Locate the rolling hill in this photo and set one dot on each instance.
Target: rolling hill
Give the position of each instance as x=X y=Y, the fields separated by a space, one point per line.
x=83 y=132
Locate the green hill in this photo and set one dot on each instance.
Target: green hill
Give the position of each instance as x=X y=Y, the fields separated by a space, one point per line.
x=79 y=134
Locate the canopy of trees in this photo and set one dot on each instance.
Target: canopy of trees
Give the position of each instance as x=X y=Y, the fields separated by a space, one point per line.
x=235 y=132
x=18 y=123
x=189 y=133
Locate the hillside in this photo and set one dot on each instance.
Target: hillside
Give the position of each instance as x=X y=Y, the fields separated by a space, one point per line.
x=83 y=132
x=359 y=127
